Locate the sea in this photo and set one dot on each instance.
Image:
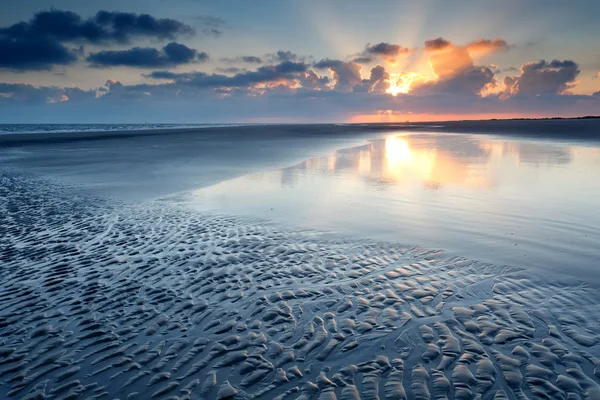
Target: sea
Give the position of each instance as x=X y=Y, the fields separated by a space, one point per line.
x=62 y=128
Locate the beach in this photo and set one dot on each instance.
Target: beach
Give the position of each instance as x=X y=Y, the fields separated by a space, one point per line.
x=401 y=261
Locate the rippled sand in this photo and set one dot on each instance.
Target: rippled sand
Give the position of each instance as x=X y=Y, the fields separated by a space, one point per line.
x=101 y=299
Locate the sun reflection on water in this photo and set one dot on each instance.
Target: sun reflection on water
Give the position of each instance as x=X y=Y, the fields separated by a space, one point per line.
x=434 y=161
x=471 y=193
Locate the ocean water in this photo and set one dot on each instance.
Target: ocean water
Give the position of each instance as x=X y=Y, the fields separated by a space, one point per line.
x=50 y=128
x=523 y=202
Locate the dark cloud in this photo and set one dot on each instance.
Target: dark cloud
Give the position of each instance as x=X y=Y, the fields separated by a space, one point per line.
x=180 y=100
x=243 y=59
x=310 y=80
x=378 y=82
x=327 y=63
x=146 y=57
x=251 y=59
x=202 y=56
x=40 y=43
x=469 y=81
x=34 y=54
x=542 y=77
x=162 y=75
x=346 y=75
x=105 y=26
x=363 y=60
x=180 y=53
x=436 y=44
x=284 y=71
x=285 y=55
x=386 y=51
x=379 y=79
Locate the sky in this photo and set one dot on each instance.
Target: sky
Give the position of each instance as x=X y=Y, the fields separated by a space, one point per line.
x=192 y=61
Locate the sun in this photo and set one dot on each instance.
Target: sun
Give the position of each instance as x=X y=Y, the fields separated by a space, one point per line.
x=400 y=83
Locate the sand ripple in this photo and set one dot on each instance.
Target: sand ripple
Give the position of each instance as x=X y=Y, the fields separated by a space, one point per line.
x=101 y=300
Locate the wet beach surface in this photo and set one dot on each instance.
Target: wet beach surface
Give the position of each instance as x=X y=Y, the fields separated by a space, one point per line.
x=145 y=296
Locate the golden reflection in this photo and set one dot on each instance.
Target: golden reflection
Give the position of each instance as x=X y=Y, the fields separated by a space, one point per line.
x=407 y=160
x=435 y=161
x=397 y=151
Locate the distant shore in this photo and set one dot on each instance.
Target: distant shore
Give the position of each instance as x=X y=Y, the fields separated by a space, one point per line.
x=579 y=128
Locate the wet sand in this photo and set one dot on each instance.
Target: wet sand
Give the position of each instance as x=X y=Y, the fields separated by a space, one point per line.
x=132 y=298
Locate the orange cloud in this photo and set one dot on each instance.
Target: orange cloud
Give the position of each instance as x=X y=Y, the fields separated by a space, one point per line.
x=447 y=59
x=487 y=46
x=455 y=70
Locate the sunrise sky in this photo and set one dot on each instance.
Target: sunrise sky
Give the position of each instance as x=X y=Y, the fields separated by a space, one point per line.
x=297 y=61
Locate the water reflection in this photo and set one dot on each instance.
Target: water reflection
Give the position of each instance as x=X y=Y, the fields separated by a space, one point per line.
x=432 y=161
x=506 y=201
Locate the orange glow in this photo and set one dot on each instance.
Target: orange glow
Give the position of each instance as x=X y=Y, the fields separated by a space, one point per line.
x=407 y=160
x=400 y=83
x=391 y=117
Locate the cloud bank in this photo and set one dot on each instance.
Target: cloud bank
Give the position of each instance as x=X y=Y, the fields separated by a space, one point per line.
x=273 y=86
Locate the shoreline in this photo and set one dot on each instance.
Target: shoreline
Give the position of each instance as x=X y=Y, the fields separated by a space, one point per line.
x=574 y=129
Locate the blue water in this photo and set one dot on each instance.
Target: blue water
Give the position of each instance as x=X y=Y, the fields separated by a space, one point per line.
x=49 y=128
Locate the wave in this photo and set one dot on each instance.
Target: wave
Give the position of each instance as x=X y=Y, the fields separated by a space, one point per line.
x=65 y=128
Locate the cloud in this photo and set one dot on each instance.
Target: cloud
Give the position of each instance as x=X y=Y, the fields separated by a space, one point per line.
x=285 y=55
x=182 y=99
x=282 y=72
x=174 y=101
x=486 y=45
x=346 y=75
x=210 y=25
x=387 y=51
x=105 y=26
x=436 y=44
x=327 y=63
x=232 y=70
x=146 y=57
x=363 y=60
x=472 y=80
x=310 y=80
x=34 y=54
x=41 y=42
x=22 y=93
x=243 y=59
x=379 y=80
x=382 y=51
x=450 y=61
x=202 y=57
x=284 y=84
x=543 y=77
x=455 y=69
